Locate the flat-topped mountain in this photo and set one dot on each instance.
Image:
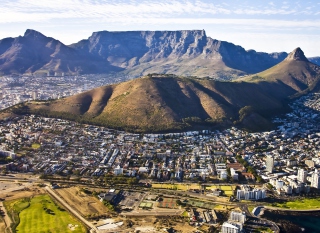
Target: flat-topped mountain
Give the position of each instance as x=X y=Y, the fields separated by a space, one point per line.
x=156 y=103
x=137 y=53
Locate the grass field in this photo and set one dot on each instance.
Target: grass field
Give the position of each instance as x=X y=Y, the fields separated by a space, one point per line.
x=300 y=204
x=35 y=146
x=227 y=189
x=41 y=214
x=147 y=205
x=183 y=187
x=222 y=187
x=201 y=204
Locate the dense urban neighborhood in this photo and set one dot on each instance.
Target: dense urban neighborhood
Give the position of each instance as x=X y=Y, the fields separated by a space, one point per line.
x=17 y=89
x=230 y=163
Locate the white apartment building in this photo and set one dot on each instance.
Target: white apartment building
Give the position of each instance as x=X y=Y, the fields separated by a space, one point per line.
x=231 y=227
x=315 y=179
x=237 y=217
x=247 y=194
x=302 y=175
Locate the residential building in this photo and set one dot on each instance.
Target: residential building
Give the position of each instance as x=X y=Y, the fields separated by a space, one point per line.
x=302 y=175
x=310 y=163
x=231 y=227
x=237 y=217
x=246 y=193
x=269 y=163
x=315 y=179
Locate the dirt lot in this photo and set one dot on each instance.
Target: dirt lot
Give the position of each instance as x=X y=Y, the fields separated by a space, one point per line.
x=87 y=206
x=156 y=224
x=9 y=191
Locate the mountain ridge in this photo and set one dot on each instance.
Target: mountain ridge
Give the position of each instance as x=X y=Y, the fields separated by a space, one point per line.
x=135 y=53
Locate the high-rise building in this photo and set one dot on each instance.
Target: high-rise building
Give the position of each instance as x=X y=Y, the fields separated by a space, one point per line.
x=315 y=179
x=269 y=163
x=231 y=227
x=237 y=217
x=34 y=95
x=302 y=175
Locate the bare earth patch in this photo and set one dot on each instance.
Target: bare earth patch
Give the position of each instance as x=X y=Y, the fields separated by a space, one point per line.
x=85 y=204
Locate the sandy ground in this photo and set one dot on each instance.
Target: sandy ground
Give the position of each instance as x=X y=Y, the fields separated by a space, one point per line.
x=83 y=203
x=10 y=190
x=2 y=225
x=109 y=224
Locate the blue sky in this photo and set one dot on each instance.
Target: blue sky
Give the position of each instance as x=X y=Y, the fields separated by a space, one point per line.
x=268 y=26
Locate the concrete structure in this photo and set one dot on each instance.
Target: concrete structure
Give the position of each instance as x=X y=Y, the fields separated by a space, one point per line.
x=231 y=227
x=310 y=163
x=270 y=163
x=302 y=175
x=237 y=217
x=246 y=193
x=315 y=179
x=118 y=171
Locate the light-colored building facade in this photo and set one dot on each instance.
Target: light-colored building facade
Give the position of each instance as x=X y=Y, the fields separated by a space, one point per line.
x=246 y=193
x=237 y=217
x=302 y=175
x=315 y=179
x=269 y=164
x=231 y=227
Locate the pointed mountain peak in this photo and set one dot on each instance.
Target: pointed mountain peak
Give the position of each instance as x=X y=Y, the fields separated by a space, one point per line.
x=33 y=34
x=296 y=55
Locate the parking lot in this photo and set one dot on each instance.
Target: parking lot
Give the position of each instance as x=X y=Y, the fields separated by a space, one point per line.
x=130 y=200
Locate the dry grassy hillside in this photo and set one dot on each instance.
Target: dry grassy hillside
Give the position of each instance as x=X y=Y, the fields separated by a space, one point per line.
x=161 y=103
x=167 y=102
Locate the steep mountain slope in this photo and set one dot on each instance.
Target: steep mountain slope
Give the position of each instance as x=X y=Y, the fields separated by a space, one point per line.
x=136 y=53
x=35 y=52
x=295 y=71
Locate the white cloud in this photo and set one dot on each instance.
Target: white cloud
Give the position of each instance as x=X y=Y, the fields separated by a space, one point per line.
x=35 y=10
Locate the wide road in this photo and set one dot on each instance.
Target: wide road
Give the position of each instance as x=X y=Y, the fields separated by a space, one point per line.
x=74 y=212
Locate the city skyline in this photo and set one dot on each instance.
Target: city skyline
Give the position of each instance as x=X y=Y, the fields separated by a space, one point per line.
x=263 y=26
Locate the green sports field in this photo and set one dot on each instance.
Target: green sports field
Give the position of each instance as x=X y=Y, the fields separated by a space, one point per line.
x=41 y=214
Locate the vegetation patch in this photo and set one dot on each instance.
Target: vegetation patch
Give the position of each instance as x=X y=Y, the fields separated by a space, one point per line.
x=201 y=204
x=146 y=205
x=183 y=187
x=41 y=214
x=300 y=204
x=35 y=146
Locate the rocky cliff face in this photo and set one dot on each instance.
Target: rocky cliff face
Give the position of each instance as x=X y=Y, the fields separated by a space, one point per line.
x=130 y=49
x=135 y=53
